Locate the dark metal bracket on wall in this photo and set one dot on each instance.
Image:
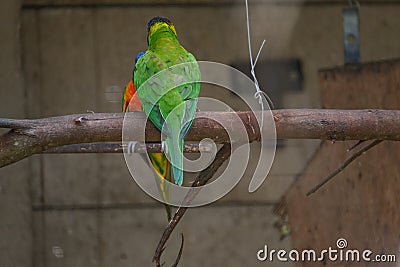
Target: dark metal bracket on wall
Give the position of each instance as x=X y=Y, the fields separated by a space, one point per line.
x=351 y=26
x=276 y=77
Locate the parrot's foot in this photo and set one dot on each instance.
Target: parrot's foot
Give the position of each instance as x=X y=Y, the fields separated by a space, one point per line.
x=164 y=147
x=131 y=147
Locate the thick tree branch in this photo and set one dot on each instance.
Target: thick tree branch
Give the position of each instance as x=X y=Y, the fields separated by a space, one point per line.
x=28 y=137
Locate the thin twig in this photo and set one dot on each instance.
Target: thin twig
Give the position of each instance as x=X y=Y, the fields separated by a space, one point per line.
x=178 y=258
x=343 y=166
x=355 y=145
x=222 y=155
x=167 y=233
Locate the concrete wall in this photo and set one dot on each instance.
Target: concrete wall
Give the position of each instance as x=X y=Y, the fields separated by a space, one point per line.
x=15 y=200
x=86 y=210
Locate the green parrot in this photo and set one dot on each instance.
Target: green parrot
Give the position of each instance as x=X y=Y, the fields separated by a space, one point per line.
x=171 y=98
x=132 y=103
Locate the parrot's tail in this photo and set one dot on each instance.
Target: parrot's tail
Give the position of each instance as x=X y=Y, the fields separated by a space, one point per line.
x=163 y=169
x=175 y=150
x=165 y=187
x=169 y=212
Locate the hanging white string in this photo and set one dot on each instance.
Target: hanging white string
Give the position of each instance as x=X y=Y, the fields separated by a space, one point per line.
x=259 y=94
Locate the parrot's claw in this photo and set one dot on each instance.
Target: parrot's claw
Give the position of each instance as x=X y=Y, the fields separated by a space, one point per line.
x=164 y=147
x=131 y=147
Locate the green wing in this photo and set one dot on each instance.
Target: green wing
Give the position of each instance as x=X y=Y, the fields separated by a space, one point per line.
x=170 y=73
x=168 y=85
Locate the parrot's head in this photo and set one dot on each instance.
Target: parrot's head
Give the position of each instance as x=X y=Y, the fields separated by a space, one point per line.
x=158 y=23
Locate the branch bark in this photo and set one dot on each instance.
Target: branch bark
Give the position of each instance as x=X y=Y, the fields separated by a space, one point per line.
x=120 y=148
x=28 y=137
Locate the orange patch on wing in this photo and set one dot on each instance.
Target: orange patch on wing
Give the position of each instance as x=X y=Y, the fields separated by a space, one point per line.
x=131 y=99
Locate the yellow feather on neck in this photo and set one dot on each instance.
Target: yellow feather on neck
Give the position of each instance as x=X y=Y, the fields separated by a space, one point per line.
x=155 y=27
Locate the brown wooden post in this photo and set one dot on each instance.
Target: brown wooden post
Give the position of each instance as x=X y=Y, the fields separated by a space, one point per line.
x=361 y=204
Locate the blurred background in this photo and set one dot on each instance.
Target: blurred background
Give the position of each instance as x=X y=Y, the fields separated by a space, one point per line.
x=72 y=56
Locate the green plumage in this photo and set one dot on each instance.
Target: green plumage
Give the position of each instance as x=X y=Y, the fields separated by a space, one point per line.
x=171 y=95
